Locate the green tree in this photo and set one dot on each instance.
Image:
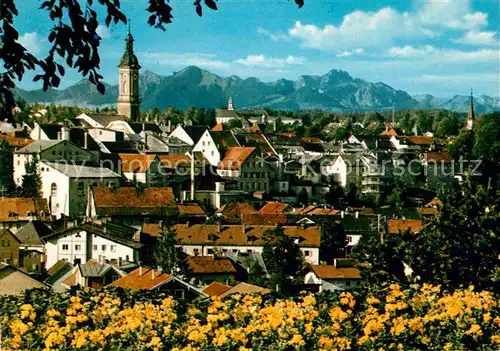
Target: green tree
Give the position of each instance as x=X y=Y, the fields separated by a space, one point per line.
x=282 y=257
x=6 y=165
x=487 y=146
x=333 y=242
x=302 y=196
x=462 y=145
x=460 y=247
x=257 y=274
x=171 y=259
x=31 y=183
x=234 y=123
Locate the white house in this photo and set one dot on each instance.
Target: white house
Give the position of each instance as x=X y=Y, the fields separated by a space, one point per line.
x=338 y=276
x=189 y=134
x=51 y=151
x=66 y=186
x=212 y=145
x=205 y=239
x=99 y=120
x=80 y=243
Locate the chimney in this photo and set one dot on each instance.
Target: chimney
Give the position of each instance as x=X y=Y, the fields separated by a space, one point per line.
x=192 y=177
x=119 y=261
x=187 y=224
x=85 y=140
x=342 y=213
x=335 y=263
x=143 y=126
x=169 y=126
x=64 y=133
x=152 y=274
x=218 y=228
x=356 y=214
x=160 y=225
x=140 y=269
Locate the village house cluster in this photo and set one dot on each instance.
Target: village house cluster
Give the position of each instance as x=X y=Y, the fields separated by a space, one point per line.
x=110 y=185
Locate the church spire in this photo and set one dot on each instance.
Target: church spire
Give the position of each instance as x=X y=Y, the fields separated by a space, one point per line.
x=470 y=115
x=129 y=59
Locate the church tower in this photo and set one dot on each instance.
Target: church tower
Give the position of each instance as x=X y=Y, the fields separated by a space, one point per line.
x=128 y=91
x=470 y=115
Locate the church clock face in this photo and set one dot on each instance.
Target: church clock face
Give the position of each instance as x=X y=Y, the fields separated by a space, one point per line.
x=124 y=83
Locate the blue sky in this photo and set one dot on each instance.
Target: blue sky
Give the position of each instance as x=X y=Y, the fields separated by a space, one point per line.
x=440 y=47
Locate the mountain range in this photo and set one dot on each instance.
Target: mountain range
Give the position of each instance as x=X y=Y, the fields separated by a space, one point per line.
x=334 y=91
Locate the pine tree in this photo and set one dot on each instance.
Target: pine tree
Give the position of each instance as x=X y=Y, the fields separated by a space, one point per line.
x=32 y=183
x=6 y=166
x=171 y=259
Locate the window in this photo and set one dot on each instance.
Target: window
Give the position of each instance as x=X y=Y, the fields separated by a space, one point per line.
x=307 y=253
x=112 y=248
x=179 y=293
x=103 y=247
x=95 y=247
x=18 y=162
x=196 y=252
x=211 y=153
x=224 y=250
x=249 y=250
x=210 y=251
x=235 y=250
x=65 y=247
x=78 y=247
x=203 y=143
x=3 y=243
x=81 y=189
x=53 y=189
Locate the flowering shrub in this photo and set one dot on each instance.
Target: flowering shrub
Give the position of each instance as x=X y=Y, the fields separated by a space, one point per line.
x=417 y=318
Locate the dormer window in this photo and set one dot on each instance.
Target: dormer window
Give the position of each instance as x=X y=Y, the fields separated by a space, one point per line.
x=212 y=237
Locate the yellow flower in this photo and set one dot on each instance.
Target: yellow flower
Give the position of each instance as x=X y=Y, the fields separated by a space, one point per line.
x=296 y=340
x=372 y=300
x=475 y=329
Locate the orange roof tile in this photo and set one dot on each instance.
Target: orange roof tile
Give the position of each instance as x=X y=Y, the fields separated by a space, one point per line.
x=245 y=289
x=394 y=226
x=129 y=200
x=254 y=128
x=389 y=132
x=216 y=289
x=210 y=265
x=420 y=140
x=235 y=157
x=173 y=161
x=190 y=210
x=436 y=202
x=234 y=234
x=16 y=141
x=149 y=279
x=136 y=163
x=427 y=211
x=263 y=219
x=233 y=212
x=439 y=156
x=310 y=140
x=218 y=127
x=12 y=208
x=332 y=272
x=273 y=208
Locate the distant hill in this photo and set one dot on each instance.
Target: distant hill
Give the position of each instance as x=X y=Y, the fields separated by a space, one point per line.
x=334 y=91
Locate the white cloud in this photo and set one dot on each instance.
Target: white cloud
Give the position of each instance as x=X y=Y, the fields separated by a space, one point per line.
x=270 y=62
x=432 y=54
x=31 y=41
x=350 y=53
x=387 y=26
x=207 y=61
x=479 y=38
x=273 y=36
x=103 y=31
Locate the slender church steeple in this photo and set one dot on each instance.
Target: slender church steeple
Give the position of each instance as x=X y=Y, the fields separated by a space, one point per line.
x=128 y=91
x=471 y=115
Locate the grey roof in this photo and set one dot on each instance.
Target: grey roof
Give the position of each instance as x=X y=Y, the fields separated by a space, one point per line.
x=195 y=132
x=96 y=269
x=225 y=113
x=82 y=171
x=37 y=146
x=14 y=281
x=246 y=259
x=104 y=120
x=31 y=233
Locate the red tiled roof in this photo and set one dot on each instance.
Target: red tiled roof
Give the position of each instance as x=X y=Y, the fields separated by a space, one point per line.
x=332 y=272
x=218 y=127
x=394 y=226
x=310 y=140
x=263 y=219
x=420 y=140
x=216 y=289
x=173 y=161
x=439 y=156
x=149 y=279
x=190 y=210
x=12 y=208
x=436 y=202
x=427 y=211
x=16 y=141
x=136 y=163
x=233 y=212
x=389 y=132
x=210 y=265
x=235 y=157
x=235 y=234
x=273 y=208
x=129 y=200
